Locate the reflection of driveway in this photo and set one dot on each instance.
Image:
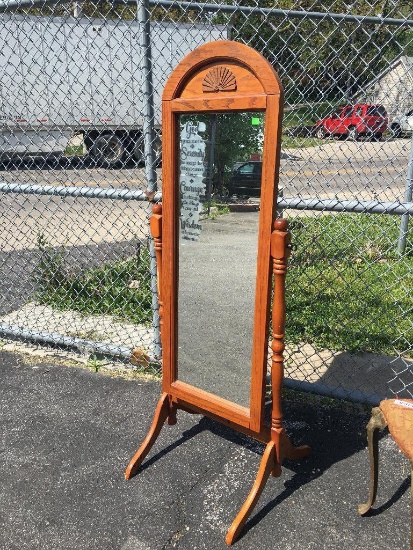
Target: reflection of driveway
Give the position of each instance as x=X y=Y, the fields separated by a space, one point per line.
x=216 y=290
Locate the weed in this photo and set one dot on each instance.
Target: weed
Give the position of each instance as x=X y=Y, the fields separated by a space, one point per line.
x=215 y=209
x=95 y=363
x=74 y=150
x=49 y=272
x=102 y=290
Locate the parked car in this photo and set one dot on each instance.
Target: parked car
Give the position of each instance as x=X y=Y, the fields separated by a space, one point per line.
x=352 y=121
x=402 y=124
x=246 y=179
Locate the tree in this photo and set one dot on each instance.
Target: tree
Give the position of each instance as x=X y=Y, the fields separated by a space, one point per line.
x=236 y=139
x=325 y=58
x=230 y=137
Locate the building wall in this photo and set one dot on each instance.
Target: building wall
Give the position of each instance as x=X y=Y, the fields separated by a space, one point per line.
x=394 y=90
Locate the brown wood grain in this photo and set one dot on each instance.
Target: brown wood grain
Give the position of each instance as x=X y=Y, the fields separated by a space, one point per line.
x=226 y=76
x=219 y=104
x=255 y=81
x=218 y=53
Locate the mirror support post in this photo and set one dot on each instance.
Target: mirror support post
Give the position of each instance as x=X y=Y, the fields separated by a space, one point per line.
x=280 y=251
x=155 y=245
x=156 y=232
x=280 y=239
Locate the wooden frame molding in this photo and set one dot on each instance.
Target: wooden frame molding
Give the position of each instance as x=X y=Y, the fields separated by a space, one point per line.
x=218 y=77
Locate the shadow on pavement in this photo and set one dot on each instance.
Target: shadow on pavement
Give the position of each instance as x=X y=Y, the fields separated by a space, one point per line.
x=336 y=434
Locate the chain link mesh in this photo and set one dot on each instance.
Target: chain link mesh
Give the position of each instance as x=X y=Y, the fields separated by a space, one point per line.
x=74 y=85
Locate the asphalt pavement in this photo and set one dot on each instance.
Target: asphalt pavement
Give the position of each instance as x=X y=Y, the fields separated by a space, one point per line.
x=67 y=434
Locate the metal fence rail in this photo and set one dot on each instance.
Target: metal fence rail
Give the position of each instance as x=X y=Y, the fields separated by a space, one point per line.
x=80 y=93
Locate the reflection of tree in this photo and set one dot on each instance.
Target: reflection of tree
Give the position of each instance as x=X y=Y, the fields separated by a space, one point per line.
x=236 y=138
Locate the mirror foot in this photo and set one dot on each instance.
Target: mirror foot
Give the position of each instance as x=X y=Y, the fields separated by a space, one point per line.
x=275 y=452
x=297 y=453
x=161 y=414
x=266 y=466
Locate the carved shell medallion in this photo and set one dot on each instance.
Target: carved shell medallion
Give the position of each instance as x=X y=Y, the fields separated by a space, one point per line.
x=219 y=79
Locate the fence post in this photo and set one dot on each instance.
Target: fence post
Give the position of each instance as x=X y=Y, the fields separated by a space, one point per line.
x=149 y=137
x=404 y=222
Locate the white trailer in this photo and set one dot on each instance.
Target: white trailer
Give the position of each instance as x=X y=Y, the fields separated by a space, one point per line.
x=66 y=77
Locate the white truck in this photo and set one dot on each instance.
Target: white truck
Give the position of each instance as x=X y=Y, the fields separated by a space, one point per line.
x=402 y=124
x=73 y=82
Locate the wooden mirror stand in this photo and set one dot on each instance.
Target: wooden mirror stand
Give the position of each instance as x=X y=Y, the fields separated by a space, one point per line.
x=225 y=77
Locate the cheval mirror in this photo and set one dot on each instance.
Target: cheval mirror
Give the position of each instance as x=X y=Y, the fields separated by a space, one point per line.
x=215 y=276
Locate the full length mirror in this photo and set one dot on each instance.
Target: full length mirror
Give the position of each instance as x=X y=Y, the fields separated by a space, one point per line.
x=219 y=179
x=221 y=137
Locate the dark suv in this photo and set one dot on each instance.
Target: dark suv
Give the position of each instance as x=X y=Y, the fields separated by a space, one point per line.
x=353 y=121
x=246 y=179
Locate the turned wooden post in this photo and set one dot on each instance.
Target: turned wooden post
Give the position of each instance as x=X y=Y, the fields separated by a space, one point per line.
x=156 y=232
x=280 y=241
x=155 y=224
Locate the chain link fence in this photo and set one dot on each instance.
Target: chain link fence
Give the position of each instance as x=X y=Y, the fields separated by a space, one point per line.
x=80 y=87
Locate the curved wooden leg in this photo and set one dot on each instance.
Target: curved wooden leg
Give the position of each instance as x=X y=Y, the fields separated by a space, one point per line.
x=161 y=414
x=377 y=422
x=266 y=466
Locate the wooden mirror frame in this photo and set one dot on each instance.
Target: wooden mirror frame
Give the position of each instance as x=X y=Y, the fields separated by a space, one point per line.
x=195 y=87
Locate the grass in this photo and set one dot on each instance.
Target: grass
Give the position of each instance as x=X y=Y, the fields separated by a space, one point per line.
x=216 y=209
x=293 y=142
x=347 y=288
x=120 y=289
x=304 y=116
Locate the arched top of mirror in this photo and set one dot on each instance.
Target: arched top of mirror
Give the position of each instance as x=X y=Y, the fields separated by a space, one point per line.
x=222 y=68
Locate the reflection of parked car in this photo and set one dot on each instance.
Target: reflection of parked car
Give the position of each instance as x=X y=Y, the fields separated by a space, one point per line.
x=402 y=124
x=246 y=179
x=353 y=121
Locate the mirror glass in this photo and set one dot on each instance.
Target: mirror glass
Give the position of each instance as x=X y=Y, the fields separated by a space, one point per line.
x=219 y=173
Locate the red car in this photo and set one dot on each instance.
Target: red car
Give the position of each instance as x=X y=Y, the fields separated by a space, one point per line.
x=353 y=121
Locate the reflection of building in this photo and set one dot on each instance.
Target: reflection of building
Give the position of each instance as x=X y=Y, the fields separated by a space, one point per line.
x=393 y=88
